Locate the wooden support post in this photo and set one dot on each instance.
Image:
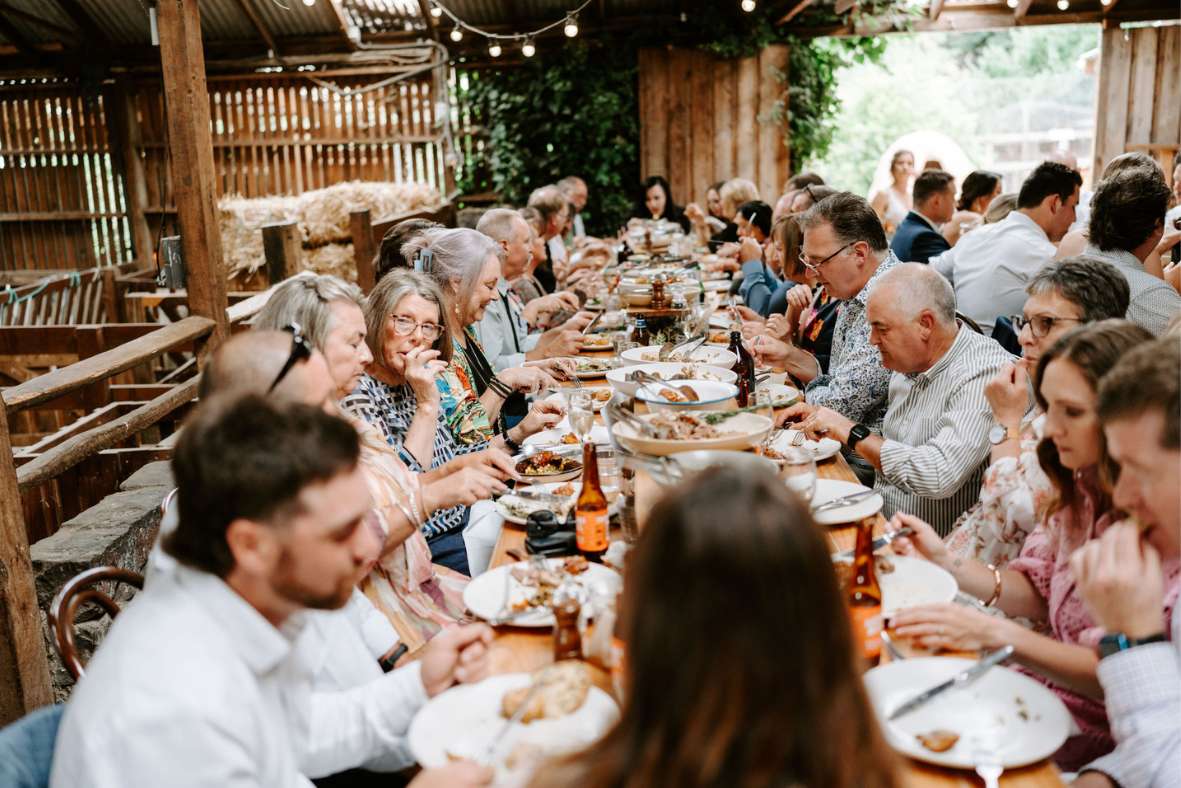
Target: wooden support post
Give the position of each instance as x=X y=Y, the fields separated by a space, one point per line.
x=182 y=64
x=112 y=305
x=24 y=667
x=282 y=247
x=126 y=141
x=363 y=248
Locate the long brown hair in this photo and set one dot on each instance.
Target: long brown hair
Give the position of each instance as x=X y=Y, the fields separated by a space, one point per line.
x=740 y=666
x=1093 y=349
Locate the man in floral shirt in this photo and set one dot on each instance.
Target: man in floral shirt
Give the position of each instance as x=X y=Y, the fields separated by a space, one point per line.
x=845 y=246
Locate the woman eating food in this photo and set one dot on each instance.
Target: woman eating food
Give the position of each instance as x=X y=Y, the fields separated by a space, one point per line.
x=1038 y=584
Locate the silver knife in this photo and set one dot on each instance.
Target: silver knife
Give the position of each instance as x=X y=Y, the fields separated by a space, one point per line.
x=486 y=759
x=837 y=503
x=878 y=543
x=960 y=679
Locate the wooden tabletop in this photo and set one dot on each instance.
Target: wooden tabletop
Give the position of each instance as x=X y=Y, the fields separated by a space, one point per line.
x=516 y=649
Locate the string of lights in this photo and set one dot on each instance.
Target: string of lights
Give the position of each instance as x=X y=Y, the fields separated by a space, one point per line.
x=527 y=40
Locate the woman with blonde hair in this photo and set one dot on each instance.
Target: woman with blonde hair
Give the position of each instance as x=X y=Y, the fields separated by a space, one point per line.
x=894 y=201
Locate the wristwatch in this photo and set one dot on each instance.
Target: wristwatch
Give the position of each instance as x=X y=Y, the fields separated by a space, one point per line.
x=857 y=433
x=1000 y=433
x=1118 y=641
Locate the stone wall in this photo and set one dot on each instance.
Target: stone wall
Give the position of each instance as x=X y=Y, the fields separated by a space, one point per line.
x=118 y=531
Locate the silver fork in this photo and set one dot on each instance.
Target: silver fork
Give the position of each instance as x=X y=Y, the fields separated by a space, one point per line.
x=988 y=765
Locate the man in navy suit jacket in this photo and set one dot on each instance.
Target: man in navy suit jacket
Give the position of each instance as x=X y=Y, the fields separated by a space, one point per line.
x=917 y=238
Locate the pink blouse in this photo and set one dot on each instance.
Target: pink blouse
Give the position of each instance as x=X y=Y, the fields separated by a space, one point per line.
x=1045 y=561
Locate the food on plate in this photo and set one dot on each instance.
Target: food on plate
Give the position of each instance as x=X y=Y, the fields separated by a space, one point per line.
x=596 y=343
x=938 y=740
x=569 y=439
x=687 y=372
x=719 y=338
x=540 y=583
x=546 y=463
x=594 y=365
x=683 y=427
x=565 y=489
x=564 y=687
x=679 y=394
x=600 y=395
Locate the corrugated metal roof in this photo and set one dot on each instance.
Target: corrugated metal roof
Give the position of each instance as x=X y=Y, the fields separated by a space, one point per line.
x=38 y=33
x=297 y=19
x=122 y=21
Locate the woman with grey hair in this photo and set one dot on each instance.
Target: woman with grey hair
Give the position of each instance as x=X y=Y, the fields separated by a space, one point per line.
x=465 y=264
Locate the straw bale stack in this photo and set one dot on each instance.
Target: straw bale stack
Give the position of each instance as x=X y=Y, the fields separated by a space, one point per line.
x=323 y=219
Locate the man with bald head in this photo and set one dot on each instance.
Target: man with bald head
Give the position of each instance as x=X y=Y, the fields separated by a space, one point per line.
x=251 y=362
x=932 y=452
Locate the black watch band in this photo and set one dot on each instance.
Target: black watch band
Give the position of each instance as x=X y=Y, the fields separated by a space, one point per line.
x=1118 y=641
x=858 y=433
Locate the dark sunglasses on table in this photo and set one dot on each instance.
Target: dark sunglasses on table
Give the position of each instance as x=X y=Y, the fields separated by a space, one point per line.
x=1039 y=325
x=300 y=351
x=404 y=327
x=816 y=266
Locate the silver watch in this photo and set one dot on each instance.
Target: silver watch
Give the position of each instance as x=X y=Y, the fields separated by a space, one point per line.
x=1000 y=433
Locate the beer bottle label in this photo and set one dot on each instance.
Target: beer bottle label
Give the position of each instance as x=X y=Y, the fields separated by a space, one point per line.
x=590 y=529
x=867 y=630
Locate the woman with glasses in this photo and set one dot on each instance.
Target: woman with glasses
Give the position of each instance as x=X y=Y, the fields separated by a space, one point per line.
x=1038 y=585
x=1062 y=296
x=418 y=598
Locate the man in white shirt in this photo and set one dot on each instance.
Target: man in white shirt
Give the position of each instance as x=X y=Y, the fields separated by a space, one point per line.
x=576 y=194
x=205 y=678
x=932 y=451
x=1119 y=575
x=991 y=266
x=504 y=330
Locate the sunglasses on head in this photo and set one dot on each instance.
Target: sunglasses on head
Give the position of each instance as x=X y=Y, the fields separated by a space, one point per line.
x=300 y=351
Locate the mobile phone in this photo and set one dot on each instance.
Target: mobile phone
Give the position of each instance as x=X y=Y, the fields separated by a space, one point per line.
x=1175 y=254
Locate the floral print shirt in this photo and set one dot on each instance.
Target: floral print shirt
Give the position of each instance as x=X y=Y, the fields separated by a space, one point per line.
x=856 y=384
x=461 y=407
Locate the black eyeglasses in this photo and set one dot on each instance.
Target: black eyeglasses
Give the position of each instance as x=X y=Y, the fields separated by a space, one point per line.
x=1039 y=325
x=300 y=351
x=815 y=267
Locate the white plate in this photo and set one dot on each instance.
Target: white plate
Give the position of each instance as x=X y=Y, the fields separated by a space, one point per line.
x=820 y=450
x=913 y=582
x=718 y=285
x=707 y=354
x=484 y=595
x=464 y=721
x=746 y=430
x=591 y=374
x=553 y=437
x=562 y=397
x=1016 y=717
x=782 y=395
x=667 y=369
x=573 y=453
x=721 y=320
x=538 y=506
x=593 y=343
x=831 y=489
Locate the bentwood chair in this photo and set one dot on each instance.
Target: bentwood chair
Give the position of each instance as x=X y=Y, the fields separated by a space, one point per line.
x=79 y=591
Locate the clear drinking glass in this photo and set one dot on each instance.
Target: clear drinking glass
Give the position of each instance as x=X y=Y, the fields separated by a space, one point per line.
x=609 y=474
x=799 y=472
x=581 y=413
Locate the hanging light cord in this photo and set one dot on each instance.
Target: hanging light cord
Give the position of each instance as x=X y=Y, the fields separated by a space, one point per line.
x=510 y=36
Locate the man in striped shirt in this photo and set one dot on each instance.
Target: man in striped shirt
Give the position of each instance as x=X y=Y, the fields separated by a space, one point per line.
x=932 y=452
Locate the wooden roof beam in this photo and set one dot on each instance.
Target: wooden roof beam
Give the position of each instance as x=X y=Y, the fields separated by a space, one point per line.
x=53 y=27
x=1107 y=8
x=1022 y=9
x=247 y=7
x=342 y=22
x=17 y=38
x=77 y=14
x=424 y=8
x=935 y=10
x=794 y=11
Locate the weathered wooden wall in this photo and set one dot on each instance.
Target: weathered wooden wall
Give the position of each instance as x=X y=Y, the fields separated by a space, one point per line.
x=66 y=204
x=1139 y=103
x=706 y=119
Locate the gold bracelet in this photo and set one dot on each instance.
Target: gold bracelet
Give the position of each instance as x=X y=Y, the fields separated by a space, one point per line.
x=996 y=589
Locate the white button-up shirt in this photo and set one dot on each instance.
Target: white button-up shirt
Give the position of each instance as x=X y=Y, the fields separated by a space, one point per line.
x=991 y=266
x=193 y=687
x=503 y=332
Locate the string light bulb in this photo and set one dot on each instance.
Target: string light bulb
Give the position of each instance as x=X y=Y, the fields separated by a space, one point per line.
x=309 y=3
x=528 y=49
x=1105 y=2
x=456 y=34
x=1011 y=3
x=571 y=27
x=436 y=11
x=494 y=48
x=1063 y=5
x=748 y=5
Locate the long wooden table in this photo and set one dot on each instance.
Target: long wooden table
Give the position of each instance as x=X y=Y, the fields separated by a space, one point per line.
x=516 y=649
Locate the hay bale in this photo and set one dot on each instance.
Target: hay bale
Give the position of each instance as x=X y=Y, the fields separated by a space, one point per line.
x=335 y=259
x=324 y=213
x=241 y=221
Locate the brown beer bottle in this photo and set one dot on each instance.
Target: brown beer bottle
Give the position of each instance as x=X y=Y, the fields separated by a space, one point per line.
x=744 y=367
x=590 y=511
x=865 y=596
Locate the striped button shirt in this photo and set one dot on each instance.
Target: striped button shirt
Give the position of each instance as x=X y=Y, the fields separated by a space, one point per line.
x=936 y=432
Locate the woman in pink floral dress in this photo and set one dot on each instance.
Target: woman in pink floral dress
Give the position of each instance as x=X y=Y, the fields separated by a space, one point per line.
x=1038 y=584
x=1015 y=491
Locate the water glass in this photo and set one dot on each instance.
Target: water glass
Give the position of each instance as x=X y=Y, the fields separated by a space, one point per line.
x=581 y=413
x=799 y=472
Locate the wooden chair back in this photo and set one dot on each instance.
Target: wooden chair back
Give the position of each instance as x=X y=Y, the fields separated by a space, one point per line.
x=81 y=590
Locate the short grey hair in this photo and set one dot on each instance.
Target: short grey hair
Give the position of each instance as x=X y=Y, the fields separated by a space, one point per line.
x=851 y=217
x=455 y=254
x=306 y=300
x=386 y=296
x=917 y=286
x=498 y=223
x=570 y=183
x=548 y=200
